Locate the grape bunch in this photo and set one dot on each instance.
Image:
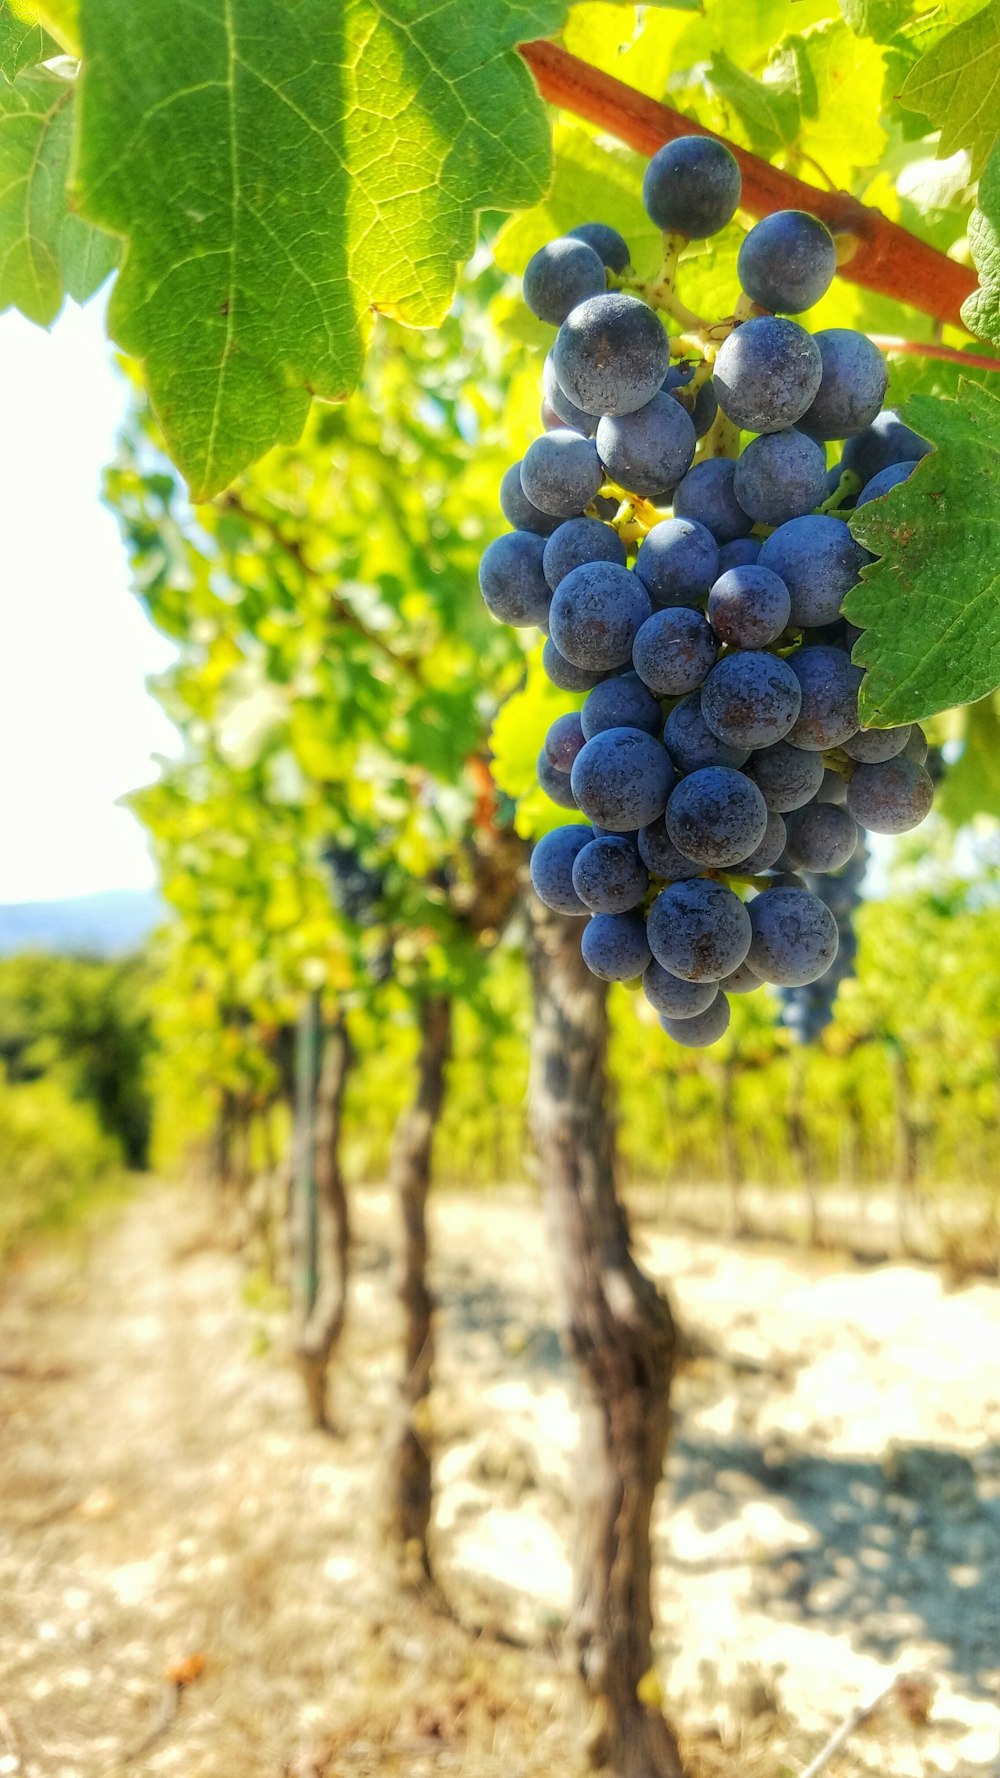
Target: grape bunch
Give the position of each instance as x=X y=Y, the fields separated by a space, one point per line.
x=692 y=589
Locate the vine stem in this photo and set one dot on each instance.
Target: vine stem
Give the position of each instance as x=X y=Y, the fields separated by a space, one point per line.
x=888 y=342
x=887 y=258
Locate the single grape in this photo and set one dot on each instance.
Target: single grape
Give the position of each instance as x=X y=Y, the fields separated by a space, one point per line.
x=741 y=980
x=611 y=354
x=560 y=275
x=677 y=562
x=673 y=651
x=551 y=868
x=699 y=930
x=794 y=938
x=661 y=857
x=517 y=508
x=819 y=562
x=853 y=386
x=551 y=421
x=561 y=472
x=564 y=741
x=751 y=699
x=614 y=946
x=621 y=702
x=622 y=779
x=780 y=476
x=884 y=442
x=559 y=402
x=707 y=495
x=556 y=785
x=648 y=451
x=786 y=776
x=738 y=554
x=691 y=743
x=577 y=541
x=891 y=797
x=703 y=407
x=673 y=998
x=767 y=374
x=916 y=746
x=596 y=613
x=765 y=855
x=562 y=673
x=829 y=682
x=607 y=243
x=716 y=817
x=703 y=1029
x=871 y=746
x=609 y=876
x=833 y=788
x=787 y=261
x=749 y=607
x=821 y=837
x=512 y=582
x=692 y=187
x=886 y=480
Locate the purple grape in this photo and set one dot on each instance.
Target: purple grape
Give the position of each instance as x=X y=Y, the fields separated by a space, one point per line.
x=648 y=451
x=751 y=699
x=698 y=930
x=691 y=743
x=564 y=741
x=561 y=472
x=692 y=187
x=677 y=562
x=872 y=746
x=511 y=580
x=787 y=776
x=517 y=508
x=621 y=702
x=819 y=561
x=661 y=857
x=703 y=1029
x=853 y=387
x=767 y=374
x=829 y=682
x=673 y=998
x=891 y=797
x=749 y=607
x=576 y=542
x=609 y=875
x=707 y=495
x=610 y=247
x=794 y=938
x=611 y=354
x=821 y=837
x=556 y=784
x=716 y=817
x=551 y=868
x=560 y=275
x=614 y=946
x=787 y=261
x=780 y=476
x=622 y=779
x=596 y=613
x=673 y=651
x=563 y=674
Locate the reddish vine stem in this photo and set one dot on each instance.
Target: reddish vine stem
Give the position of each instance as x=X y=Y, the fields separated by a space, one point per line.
x=887 y=258
x=888 y=342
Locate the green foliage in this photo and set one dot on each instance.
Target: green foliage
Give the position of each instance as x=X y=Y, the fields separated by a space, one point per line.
x=957 y=85
x=929 y=607
x=972 y=785
x=981 y=311
x=23 y=44
x=57 y=1164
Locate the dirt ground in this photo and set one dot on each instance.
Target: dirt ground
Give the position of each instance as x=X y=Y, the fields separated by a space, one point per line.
x=192 y=1583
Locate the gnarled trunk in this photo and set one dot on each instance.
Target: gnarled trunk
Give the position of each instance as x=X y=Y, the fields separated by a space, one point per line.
x=622 y=1338
x=410 y=1177
x=327 y=1229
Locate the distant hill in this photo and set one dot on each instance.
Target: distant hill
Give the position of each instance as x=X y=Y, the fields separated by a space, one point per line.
x=105 y=925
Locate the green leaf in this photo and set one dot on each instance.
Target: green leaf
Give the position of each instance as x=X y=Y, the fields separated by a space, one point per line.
x=930 y=607
x=981 y=310
x=971 y=786
x=767 y=117
x=282 y=169
x=23 y=43
x=880 y=19
x=844 y=132
x=45 y=251
x=957 y=85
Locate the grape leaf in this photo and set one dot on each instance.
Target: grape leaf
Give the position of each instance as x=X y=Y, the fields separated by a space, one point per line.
x=972 y=785
x=45 y=251
x=880 y=19
x=23 y=43
x=957 y=85
x=766 y=116
x=930 y=607
x=282 y=170
x=981 y=310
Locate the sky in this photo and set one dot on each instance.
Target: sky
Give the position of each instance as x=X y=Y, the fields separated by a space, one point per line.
x=78 y=729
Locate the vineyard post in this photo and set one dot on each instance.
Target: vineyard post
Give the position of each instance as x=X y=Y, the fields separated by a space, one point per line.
x=320 y=1328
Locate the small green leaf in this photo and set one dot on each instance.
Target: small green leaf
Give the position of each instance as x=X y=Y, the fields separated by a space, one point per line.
x=880 y=19
x=930 y=607
x=972 y=785
x=767 y=116
x=282 y=170
x=957 y=85
x=45 y=251
x=981 y=310
x=23 y=43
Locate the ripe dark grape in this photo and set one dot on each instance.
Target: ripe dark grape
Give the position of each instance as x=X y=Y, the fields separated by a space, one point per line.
x=607 y=243
x=829 y=682
x=766 y=853
x=551 y=868
x=611 y=354
x=821 y=837
x=691 y=743
x=716 y=817
x=558 y=400
x=609 y=875
x=794 y=938
x=561 y=472
x=704 y=406
x=673 y=998
x=703 y=1029
x=556 y=784
x=614 y=946
x=673 y=651
x=787 y=777
x=780 y=476
x=767 y=374
x=887 y=440
x=564 y=741
x=871 y=746
x=562 y=673
x=648 y=451
x=660 y=855
x=677 y=562
x=738 y=554
x=751 y=699
x=853 y=385
x=916 y=746
x=512 y=582
x=787 y=261
x=819 y=562
x=560 y=275
x=517 y=508
x=741 y=980
x=622 y=779
x=692 y=187
x=577 y=541
x=886 y=479
x=749 y=607
x=833 y=788
x=596 y=613
x=621 y=702
x=891 y=797
x=699 y=930
x=707 y=495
